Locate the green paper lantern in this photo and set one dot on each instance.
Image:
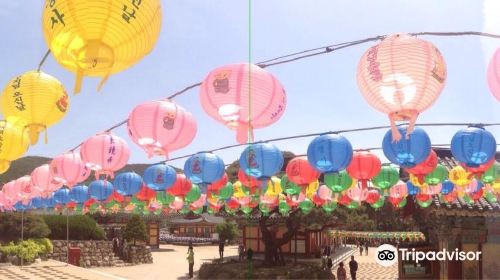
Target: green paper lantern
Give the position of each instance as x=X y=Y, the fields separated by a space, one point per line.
x=284 y=208
x=306 y=205
x=185 y=210
x=491 y=174
x=402 y=203
x=93 y=208
x=387 y=177
x=329 y=207
x=226 y=192
x=193 y=195
x=468 y=199
x=247 y=210
x=164 y=198
x=424 y=204
x=264 y=209
x=437 y=176
x=490 y=197
x=289 y=187
x=338 y=182
x=210 y=211
x=198 y=210
x=353 y=205
x=379 y=203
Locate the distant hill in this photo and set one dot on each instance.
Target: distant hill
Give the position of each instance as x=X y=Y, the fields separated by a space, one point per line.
x=25 y=165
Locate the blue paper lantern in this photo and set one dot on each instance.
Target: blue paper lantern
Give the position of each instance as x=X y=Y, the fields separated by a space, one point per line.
x=261 y=160
x=407 y=152
x=329 y=153
x=204 y=168
x=100 y=190
x=160 y=177
x=128 y=183
x=49 y=202
x=36 y=203
x=61 y=196
x=412 y=190
x=447 y=187
x=473 y=146
x=79 y=194
x=19 y=206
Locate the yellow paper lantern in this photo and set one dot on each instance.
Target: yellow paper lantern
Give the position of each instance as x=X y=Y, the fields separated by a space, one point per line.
x=13 y=143
x=274 y=186
x=416 y=182
x=311 y=189
x=459 y=176
x=36 y=98
x=496 y=185
x=98 y=38
x=238 y=190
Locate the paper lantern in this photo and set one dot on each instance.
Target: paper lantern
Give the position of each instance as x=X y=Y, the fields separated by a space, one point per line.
x=300 y=172
x=160 y=127
x=364 y=166
x=399 y=190
x=43 y=179
x=491 y=174
x=160 y=177
x=401 y=77
x=473 y=146
x=261 y=160
x=100 y=190
x=447 y=187
x=324 y=192
x=338 y=182
x=145 y=194
x=459 y=176
x=193 y=195
x=69 y=169
x=408 y=152
x=387 y=177
x=357 y=193
x=437 y=176
x=13 y=143
x=128 y=183
x=494 y=74
x=204 y=168
x=425 y=167
x=329 y=153
x=372 y=196
x=479 y=170
x=97 y=38
x=181 y=186
x=25 y=188
x=243 y=97
x=379 y=203
x=248 y=181
x=61 y=196
x=216 y=186
x=79 y=194
x=11 y=192
x=105 y=153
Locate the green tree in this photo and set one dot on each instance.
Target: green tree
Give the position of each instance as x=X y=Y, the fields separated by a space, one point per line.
x=10 y=227
x=227 y=230
x=80 y=227
x=135 y=229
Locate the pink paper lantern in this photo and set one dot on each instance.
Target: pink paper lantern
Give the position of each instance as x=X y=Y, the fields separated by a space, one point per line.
x=401 y=77
x=42 y=178
x=357 y=193
x=11 y=192
x=177 y=204
x=105 y=153
x=399 y=190
x=494 y=75
x=325 y=193
x=26 y=188
x=69 y=169
x=243 y=97
x=160 y=127
x=200 y=202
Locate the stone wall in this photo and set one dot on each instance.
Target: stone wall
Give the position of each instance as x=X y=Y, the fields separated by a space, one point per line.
x=140 y=254
x=93 y=253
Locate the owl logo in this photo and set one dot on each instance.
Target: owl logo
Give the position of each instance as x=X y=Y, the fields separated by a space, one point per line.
x=221 y=82
x=196 y=166
x=169 y=119
x=62 y=103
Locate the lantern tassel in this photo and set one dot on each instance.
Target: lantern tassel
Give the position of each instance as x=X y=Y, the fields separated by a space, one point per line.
x=103 y=81
x=78 y=81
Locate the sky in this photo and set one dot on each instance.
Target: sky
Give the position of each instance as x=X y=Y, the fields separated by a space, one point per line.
x=200 y=35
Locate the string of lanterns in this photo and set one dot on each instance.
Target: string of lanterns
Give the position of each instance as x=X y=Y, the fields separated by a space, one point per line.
x=118 y=35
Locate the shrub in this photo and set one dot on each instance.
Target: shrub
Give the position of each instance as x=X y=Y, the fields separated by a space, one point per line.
x=135 y=230
x=227 y=231
x=9 y=250
x=45 y=244
x=80 y=228
x=10 y=227
x=29 y=250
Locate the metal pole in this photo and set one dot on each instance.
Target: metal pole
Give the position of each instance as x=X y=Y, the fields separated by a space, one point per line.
x=22 y=231
x=295 y=255
x=67 y=236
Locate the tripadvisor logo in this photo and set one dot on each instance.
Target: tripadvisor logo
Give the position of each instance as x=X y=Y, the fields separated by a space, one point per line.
x=387 y=255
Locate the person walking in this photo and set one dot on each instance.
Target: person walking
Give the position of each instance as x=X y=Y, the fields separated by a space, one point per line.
x=341 y=273
x=190 y=259
x=353 y=268
x=241 y=252
x=360 y=249
x=221 y=248
x=366 y=248
x=116 y=244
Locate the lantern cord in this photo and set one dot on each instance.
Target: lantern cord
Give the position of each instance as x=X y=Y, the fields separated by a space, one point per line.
x=336 y=132
x=310 y=53
x=43 y=60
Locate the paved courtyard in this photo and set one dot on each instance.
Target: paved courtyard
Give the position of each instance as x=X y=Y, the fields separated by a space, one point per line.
x=369 y=269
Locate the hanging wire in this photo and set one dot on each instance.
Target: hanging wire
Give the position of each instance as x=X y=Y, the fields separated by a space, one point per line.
x=307 y=54
x=335 y=132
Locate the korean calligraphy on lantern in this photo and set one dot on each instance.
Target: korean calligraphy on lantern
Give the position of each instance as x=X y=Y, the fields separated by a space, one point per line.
x=129 y=11
x=18 y=96
x=58 y=17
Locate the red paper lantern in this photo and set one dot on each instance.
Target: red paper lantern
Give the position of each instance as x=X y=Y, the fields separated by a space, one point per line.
x=181 y=186
x=372 y=197
x=216 y=186
x=395 y=201
x=422 y=197
x=248 y=181
x=300 y=172
x=364 y=166
x=425 y=167
x=146 y=194
x=344 y=200
x=478 y=171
